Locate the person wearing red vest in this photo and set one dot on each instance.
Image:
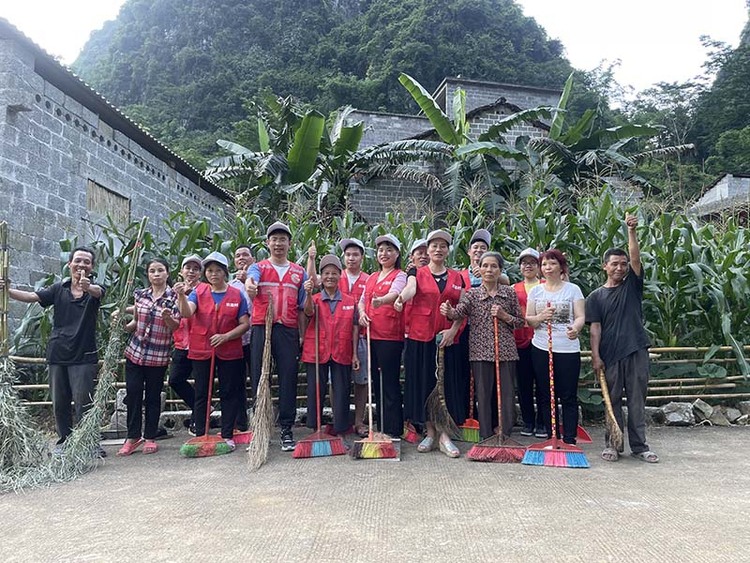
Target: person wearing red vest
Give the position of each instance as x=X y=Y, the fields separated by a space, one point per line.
x=352 y=283
x=219 y=319
x=180 y=368
x=533 y=424
x=426 y=289
x=386 y=327
x=280 y=281
x=338 y=333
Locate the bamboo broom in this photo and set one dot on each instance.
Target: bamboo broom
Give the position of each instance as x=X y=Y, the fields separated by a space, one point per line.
x=614 y=432
x=263 y=412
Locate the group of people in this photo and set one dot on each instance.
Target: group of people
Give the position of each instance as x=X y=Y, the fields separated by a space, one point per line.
x=347 y=326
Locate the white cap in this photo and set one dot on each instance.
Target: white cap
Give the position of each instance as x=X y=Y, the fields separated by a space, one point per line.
x=528 y=252
x=330 y=260
x=192 y=258
x=420 y=242
x=278 y=226
x=347 y=242
x=217 y=257
x=390 y=239
x=440 y=234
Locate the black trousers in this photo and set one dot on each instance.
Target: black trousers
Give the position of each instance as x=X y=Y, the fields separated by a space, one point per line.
x=137 y=380
x=529 y=390
x=567 y=368
x=285 y=352
x=242 y=422
x=341 y=382
x=386 y=363
x=180 y=371
x=485 y=388
x=230 y=374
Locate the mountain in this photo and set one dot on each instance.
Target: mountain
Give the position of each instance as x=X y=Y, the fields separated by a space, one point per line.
x=187 y=68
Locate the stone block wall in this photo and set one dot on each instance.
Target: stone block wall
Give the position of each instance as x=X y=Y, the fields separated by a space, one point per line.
x=52 y=150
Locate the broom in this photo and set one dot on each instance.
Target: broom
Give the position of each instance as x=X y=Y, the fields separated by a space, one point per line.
x=376 y=445
x=614 y=432
x=470 y=427
x=318 y=444
x=497 y=448
x=436 y=407
x=554 y=452
x=410 y=433
x=257 y=451
x=206 y=445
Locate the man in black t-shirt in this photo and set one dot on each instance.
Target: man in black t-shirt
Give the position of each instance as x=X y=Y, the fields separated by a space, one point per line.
x=71 y=351
x=619 y=343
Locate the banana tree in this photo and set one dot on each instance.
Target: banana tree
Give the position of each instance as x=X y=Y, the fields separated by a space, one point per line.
x=480 y=162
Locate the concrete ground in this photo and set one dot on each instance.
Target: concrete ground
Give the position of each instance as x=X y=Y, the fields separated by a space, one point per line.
x=693 y=506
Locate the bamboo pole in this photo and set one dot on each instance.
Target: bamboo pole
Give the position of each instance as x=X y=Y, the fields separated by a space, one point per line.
x=4 y=270
x=694 y=397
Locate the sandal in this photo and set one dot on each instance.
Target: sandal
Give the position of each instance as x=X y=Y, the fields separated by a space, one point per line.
x=610 y=454
x=449 y=448
x=129 y=447
x=426 y=445
x=150 y=447
x=647 y=456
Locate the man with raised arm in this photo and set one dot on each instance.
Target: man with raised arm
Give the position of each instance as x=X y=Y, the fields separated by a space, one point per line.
x=279 y=281
x=71 y=351
x=619 y=343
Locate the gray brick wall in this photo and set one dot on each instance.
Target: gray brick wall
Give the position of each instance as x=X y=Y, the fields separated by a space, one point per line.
x=51 y=146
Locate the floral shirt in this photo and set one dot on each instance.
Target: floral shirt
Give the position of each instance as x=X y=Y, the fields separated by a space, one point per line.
x=151 y=343
x=476 y=304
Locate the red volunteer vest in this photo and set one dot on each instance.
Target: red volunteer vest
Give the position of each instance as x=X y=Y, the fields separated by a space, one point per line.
x=284 y=293
x=425 y=319
x=209 y=319
x=524 y=334
x=335 y=332
x=385 y=322
x=358 y=288
x=181 y=334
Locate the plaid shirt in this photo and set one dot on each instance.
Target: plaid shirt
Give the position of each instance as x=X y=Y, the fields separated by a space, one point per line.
x=151 y=343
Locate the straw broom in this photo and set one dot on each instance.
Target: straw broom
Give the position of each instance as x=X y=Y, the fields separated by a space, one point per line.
x=497 y=448
x=257 y=451
x=318 y=444
x=436 y=407
x=24 y=448
x=376 y=445
x=614 y=432
x=554 y=452
x=82 y=446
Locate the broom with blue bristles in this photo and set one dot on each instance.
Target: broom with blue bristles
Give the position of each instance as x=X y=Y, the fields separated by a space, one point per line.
x=554 y=452
x=319 y=443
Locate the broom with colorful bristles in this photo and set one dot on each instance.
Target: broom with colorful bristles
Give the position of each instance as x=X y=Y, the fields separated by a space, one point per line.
x=470 y=427
x=207 y=445
x=498 y=448
x=410 y=433
x=319 y=443
x=554 y=452
x=257 y=451
x=614 y=432
x=376 y=445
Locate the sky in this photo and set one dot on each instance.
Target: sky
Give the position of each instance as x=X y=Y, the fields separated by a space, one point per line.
x=654 y=40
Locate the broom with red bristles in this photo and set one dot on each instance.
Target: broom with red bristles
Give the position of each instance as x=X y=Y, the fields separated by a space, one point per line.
x=319 y=443
x=207 y=445
x=376 y=445
x=470 y=427
x=497 y=448
x=554 y=452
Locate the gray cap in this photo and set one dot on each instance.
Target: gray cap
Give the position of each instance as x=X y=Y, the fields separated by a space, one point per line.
x=192 y=258
x=528 y=252
x=390 y=239
x=347 y=242
x=440 y=234
x=330 y=260
x=419 y=243
x=217 y=257
x=482 y=235
x=278 y=226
